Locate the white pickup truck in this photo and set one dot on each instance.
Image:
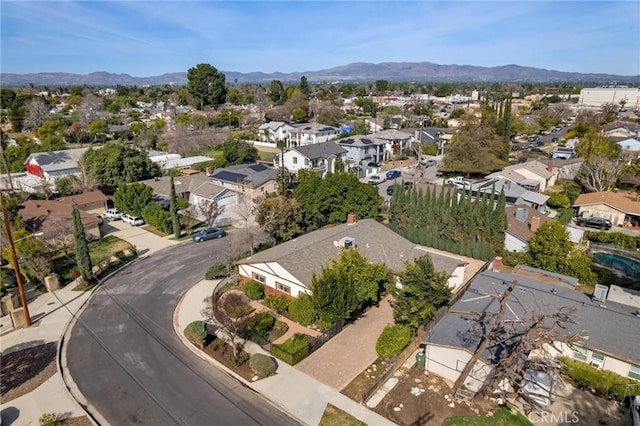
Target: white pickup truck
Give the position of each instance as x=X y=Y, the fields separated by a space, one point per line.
x=459 y=182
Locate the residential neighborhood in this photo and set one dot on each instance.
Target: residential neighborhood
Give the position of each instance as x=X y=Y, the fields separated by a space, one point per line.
x=347 y=250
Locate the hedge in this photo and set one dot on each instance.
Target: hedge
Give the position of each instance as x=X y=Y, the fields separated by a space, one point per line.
x=156 y=216
x=215 y=271
x=263 y=365
x=603 y=383
x=196 y=332
x=393 y=339
x=302 y=311
x=293 y=350
x=280 y=304
x=616 y=238
x=253 y=289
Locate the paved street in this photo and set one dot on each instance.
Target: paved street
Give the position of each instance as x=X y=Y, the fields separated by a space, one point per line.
x=130 y=366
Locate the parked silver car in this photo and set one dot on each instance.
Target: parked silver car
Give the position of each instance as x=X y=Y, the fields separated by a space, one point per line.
x=112 y=214
x=132 y=220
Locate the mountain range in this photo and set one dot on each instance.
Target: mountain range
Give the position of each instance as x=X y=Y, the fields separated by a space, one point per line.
x=355 y=72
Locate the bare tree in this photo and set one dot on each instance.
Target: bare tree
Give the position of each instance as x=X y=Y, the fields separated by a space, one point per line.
x=37 y=113
x=59 y=233
x=209 y=211
x=226 y=310
x=90 y=109
x=598 y=174
x=251 y=234
x=515 y=342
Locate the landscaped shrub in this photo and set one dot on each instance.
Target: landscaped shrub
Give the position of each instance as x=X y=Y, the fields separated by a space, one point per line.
x=513 y=258
x=393 y=339
x=218 y=344
x=196 y=332
x=263 y=365
x=48 y=419
x=253 y=289
x=279 y=304
x=293 y=350
x=240 y=359
x=215 y=271
x=278 y=330
x=156 y=216
x=603 y=383
x=557 y=199
x=302 y=310
x=261 y=324
x=618 y=239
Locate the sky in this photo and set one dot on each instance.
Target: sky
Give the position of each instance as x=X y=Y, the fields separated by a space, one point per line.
x=149 y=38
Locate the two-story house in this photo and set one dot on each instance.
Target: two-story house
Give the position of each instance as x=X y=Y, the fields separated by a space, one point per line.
x=320 y=157
x=532 y=175
x=253 y=181
x=274 y=131
x=310 y=133
x=395 y=140
x=363 y=149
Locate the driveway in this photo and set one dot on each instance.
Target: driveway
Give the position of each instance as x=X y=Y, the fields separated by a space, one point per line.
x=345 y=356
x=146 y=242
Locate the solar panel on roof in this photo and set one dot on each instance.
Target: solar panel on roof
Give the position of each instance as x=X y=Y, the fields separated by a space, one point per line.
x=229 y=176
x=347 y=141
x=367 y=141
x=258 y=167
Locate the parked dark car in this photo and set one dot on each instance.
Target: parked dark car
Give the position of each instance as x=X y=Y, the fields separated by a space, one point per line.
x=390 y=189
x=209 y=234
x=595 y=222
x=392 y=174
x=408 y=184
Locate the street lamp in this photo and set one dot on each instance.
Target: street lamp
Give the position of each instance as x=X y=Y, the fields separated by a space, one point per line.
x=14 y=261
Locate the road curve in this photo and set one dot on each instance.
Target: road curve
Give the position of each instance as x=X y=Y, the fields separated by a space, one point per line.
x=131 y=367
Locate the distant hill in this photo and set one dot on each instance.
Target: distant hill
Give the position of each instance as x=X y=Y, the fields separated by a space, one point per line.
x=356 y=72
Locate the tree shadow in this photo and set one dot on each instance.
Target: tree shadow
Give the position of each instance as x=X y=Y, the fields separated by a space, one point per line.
x=19 y=364
x=9 y=415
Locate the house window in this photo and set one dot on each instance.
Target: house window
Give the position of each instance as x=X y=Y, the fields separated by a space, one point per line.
x=597 y=359
x=295 y=160
x=258 y=277
x=306 y=161
x=581 y=354
x=634 y=372
x=283 y=288
x=460 y=365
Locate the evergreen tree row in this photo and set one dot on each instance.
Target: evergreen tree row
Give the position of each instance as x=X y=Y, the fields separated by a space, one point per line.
x=450 y=221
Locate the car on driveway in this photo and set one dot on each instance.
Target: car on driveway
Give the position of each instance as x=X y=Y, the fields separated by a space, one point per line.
x=595 y=222
x=377 y=179
x=392 y=174
x=132 y=220
x=112 y=214
x=430 y=162
x=208 y=234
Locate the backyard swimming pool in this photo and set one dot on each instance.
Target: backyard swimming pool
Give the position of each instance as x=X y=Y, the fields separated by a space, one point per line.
x=628 y=266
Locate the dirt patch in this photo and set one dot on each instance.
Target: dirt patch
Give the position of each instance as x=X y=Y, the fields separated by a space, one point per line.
x=419 y=399
x=333 y=416
x=77 y=421
x=365 y=380
x=24 y=370
x=222 y=352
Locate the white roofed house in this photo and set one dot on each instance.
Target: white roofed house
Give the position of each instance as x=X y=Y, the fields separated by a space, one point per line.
x=532 y=175
x=274 y=131
x=320 y=158
x=310 y=133
x=44 y=168
x=395 y=141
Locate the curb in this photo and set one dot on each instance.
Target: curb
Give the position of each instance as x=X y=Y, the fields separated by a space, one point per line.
x=70 y=386
x=216 y=363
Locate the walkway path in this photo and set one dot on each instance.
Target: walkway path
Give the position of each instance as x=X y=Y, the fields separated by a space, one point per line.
x=350 y=352
x=294 y=327
x=295 y=392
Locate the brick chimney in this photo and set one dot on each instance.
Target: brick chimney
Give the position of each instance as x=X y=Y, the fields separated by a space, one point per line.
x=351 y=219
x=550 y=167
x=535 y=223
x=497 y=264
x=208 y=171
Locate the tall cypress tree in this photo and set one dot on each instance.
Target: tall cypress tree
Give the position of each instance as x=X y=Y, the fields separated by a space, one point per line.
x=83 y=257
x=173 y=209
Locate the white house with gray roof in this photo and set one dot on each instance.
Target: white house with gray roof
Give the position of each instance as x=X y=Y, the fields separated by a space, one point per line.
x=209 y=197
x=253 y=181
x=44 y=168
x=611 y=327
x=395 y=140
x=274 y=131
x=287 y=268
x=320 y=157
x=515 y=194
x=310 y=133
x=533 y=175
x=363 y=149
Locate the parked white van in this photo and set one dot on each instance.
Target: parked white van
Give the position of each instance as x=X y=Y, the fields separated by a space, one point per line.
x=377 y=178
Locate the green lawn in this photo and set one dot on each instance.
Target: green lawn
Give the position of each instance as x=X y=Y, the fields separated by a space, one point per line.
x=502 y=417
x=333 y=416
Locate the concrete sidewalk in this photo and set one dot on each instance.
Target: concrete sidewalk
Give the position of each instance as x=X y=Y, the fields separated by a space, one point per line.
x=50 y=315
x=296 y=393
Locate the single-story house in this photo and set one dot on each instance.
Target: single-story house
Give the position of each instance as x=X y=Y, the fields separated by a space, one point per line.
x=287 y=268
x=607 y=345
x=310 y=133
x=620 y=209
x=567 y=169
x=532 y=175
x=274 y=131
x=183 y=185
x=184 y=163
x=54 y=219
x=515 y=194
x=522 y=222
x=208 y=198
x=319 y=157
x=44 y=168
x=91 y=202
x=253 y=181
x=630 y=147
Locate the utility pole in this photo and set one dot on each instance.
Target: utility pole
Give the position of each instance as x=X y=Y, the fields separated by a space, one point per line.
x=14 y=259
x=4 y=160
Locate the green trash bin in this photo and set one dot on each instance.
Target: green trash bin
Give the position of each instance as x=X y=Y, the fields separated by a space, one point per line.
x=421 y=360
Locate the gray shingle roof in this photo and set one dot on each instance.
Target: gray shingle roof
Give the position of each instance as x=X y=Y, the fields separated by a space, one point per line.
x=183 y=184
x=249 y=175
x=309 y=253
x=320 y=150
x=361 y=140
x=612 y=329
x=208 y=190
x=313 y=128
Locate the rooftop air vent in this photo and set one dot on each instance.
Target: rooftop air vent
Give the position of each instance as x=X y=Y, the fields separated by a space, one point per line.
x=600 y=292
x=347 y=242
